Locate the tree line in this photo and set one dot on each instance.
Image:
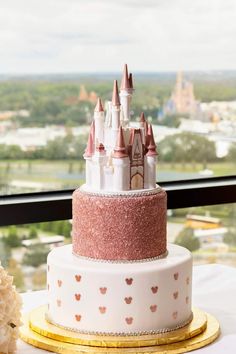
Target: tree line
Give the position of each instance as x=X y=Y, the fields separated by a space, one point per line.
x=55 y=102
x=182 y=147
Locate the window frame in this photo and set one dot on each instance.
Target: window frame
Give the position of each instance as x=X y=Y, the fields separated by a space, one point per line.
x=57 y=205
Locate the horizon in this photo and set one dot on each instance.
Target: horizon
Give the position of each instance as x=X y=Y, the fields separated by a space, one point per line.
x=118 y=73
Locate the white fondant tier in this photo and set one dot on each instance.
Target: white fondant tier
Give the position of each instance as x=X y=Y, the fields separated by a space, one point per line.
x=119 y=298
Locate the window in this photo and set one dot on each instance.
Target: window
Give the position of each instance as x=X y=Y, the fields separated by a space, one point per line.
x=54 y=78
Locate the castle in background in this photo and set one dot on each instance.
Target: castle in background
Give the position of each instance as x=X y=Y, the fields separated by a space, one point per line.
x=120 y=157
x=182 y=100
x=85 y=96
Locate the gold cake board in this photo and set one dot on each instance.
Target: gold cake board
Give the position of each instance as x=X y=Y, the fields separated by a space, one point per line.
x=202 y=330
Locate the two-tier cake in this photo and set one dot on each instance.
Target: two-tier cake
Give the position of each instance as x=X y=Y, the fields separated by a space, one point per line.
x=119 y=276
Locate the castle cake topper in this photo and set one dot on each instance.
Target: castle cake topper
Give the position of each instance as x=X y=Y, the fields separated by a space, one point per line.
x=120 y=157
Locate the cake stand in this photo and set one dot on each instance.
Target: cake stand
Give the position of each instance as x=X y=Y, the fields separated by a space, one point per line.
x=202 y=330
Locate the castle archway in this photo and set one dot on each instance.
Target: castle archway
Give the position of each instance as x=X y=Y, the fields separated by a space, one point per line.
x=137 y=181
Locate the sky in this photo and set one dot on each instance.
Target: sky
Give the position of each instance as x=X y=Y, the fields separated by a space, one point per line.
x=68 y=36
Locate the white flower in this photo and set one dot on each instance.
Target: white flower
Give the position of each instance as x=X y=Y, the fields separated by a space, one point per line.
x=10 y=306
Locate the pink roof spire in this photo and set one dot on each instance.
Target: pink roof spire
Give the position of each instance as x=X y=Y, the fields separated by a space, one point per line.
x=115 y=95
x=142 y=118
x=119 y=151
x=125 y=84
x=151 y=143
x=99 y=106
x=131 y=81
x=90 y=144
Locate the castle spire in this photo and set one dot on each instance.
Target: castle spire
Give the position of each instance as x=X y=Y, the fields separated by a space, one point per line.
x=99 y=106
x=119 y=151
x=115 y=95
x=131 y=81
x=90 y=144
x=151 y=143
x=142 y=118
x=125 y=83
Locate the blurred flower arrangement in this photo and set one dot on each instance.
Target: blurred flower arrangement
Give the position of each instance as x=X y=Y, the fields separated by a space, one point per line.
x=10 y=313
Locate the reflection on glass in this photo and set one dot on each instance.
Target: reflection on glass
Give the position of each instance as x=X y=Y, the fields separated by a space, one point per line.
x=209 y=232
x=44 y=126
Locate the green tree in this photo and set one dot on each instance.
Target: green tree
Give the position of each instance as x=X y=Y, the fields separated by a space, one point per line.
x=187 y=239
x=14 y=269
x=33 y=233
x=232 y=153
x=66 y=229
x=5 y=253
x=230 y=237
x=12 y=239
x=36 y=255
x=39 y=279
x=187 y=147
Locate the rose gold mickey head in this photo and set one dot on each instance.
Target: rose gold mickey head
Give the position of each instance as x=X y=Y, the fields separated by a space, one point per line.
x=78 y=318
x=129 y=281
x=129 y=320
x=103 y=290
x=78 y=277
x=102 y=309
x=153 y=308
x=128 y=300
x=175 y=315
x=176 y=276
x=175 y=295
x=77 y=297
x=154 y=289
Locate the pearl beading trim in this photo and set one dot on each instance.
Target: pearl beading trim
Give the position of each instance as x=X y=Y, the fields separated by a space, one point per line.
x=120 y=261
x=159 y=331
x=123 y=194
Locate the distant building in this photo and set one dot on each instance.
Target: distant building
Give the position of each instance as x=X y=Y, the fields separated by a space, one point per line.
x=87 y=96
x=212 y=238
x=202 y=222
x=182 y=99
x=83 y=96
x=51 y=241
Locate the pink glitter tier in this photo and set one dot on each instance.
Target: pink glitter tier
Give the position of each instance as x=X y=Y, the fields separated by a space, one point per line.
x=119 y=227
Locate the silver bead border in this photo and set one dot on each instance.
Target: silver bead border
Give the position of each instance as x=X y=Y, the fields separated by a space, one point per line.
x=121 y=261
x=121 y=334
x=123 y=194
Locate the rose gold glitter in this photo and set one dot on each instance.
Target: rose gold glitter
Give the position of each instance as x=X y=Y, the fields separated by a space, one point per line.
x=117 y=227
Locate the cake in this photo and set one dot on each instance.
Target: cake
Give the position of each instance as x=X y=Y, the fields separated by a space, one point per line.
x=119 y=276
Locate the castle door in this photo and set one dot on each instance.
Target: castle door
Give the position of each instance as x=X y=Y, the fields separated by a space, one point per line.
x=137 y=181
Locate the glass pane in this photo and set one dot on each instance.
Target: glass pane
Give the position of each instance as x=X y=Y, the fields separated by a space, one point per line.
x=24 y=250
x=52 y=75
x=209 y=232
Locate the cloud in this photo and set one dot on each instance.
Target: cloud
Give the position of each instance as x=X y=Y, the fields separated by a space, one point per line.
x=153 y=35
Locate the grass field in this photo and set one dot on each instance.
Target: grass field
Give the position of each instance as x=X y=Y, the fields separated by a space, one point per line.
x=36 y=175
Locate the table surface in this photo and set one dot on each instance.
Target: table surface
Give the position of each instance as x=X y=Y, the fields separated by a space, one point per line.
x=214 y=291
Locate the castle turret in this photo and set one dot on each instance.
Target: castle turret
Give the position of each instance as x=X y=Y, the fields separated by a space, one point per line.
x=99 y=121
x=151 y=159
x=121 y=179
x=131 y=82
x=126 y=90
x=89 y=153
x=144 y=127
x=115 y=107
x=99 y=161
